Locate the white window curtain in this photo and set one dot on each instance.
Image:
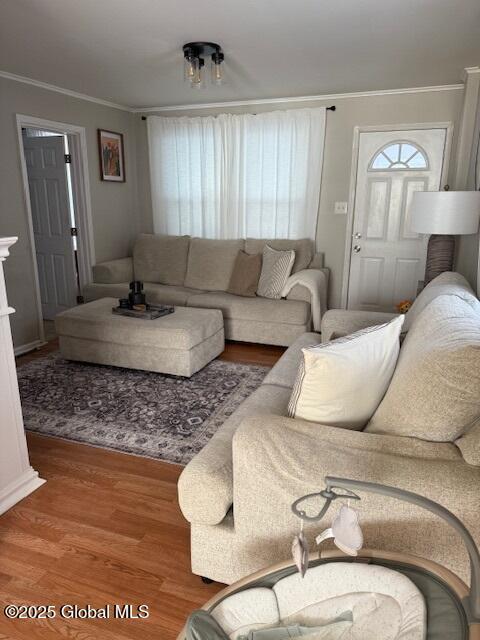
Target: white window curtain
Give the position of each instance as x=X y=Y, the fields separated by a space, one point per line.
x=237 y=176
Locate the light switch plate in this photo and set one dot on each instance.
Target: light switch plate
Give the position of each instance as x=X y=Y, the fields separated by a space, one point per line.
x=341 y=208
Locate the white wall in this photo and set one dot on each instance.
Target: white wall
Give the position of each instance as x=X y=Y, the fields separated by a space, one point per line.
x=113 y=204
x=400 y=108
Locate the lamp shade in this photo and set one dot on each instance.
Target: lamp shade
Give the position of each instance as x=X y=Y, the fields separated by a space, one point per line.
x=445 y=212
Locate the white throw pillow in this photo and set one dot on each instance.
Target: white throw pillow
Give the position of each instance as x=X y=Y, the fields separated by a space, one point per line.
x=276 y=267
x=341 y=383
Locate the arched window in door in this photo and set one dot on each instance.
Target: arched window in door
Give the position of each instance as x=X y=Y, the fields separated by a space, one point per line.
x=401 y=156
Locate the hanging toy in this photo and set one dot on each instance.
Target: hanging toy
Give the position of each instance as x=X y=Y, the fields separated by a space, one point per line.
x=300 y=551
x=345 y=531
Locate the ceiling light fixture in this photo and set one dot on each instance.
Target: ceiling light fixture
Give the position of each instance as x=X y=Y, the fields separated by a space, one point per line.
x=195 y=54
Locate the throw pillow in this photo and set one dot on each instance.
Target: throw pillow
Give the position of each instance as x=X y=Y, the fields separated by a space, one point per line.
x=341 y=383
x=245 y=274
x=434 y=394
x=276 y=267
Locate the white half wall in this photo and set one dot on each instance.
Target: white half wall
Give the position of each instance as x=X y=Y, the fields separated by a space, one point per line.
x=17 y=478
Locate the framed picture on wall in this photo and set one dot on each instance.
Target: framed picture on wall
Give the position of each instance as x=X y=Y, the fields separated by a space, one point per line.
x=112 y=159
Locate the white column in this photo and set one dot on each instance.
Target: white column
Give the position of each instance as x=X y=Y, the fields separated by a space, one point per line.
x=17 y=477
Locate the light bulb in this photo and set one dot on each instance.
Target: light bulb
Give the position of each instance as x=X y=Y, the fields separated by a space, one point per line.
x=196 y=80
x=189 y=68
x=217 y=70
x=217 y=73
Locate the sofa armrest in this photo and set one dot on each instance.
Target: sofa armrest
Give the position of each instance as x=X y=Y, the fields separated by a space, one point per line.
x=299 y=292
x=302 y=284
x=205 y=487
x=341 y=322
x=114 y=271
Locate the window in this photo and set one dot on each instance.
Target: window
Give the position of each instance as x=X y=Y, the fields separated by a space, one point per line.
x=399 y=156
x=237 y=176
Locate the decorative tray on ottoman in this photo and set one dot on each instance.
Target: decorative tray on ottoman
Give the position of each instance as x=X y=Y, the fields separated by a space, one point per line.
x=152 y=311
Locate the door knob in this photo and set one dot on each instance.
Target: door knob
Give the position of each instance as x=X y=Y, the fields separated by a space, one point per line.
x=357 y=248
x=357 y=235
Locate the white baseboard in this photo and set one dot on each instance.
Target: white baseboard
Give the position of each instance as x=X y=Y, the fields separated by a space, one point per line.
x=30 y=346
x=19 y=489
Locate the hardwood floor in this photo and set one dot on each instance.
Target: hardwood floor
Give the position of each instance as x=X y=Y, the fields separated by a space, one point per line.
x=261 y=354
x=105 y=529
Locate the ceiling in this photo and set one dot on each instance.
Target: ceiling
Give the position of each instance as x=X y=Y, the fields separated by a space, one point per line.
x=129 y=51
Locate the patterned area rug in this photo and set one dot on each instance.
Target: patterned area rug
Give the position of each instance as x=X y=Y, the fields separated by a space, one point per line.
x=147 y=414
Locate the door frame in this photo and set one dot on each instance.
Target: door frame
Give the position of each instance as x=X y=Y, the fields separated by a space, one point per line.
x=448 y=126
x=77 y=140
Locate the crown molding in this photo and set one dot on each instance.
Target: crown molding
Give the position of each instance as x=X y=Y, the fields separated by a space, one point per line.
x=66 y=92
x=236 y=103
x=317 y=98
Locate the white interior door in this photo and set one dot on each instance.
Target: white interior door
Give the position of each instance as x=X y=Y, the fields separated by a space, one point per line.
x=387 y=258
x=47 y=179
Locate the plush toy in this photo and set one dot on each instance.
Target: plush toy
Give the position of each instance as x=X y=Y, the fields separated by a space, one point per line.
x=404 y=306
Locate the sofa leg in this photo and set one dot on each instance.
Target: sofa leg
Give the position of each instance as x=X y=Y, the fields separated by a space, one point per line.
x=206 y=580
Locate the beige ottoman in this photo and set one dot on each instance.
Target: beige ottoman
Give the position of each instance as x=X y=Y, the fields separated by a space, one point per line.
x=179 y=344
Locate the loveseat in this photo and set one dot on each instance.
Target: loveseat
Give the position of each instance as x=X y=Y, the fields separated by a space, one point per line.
x=236 y=493
x=195 y=272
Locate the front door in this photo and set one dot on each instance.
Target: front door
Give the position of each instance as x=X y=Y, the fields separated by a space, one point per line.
x=387 y=257
x=47 y=179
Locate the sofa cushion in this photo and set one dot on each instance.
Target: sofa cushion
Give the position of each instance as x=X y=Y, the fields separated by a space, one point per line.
x=260 y=309
x=434 y=391
x=245 y=275
x=155 y=293
x=113 y=271
x=284 y=372
x=341 y=383
x=210 y=263
x=162 y=259
x=167 y=294
x=276 y=267
x=448 y=282
x=304 y=249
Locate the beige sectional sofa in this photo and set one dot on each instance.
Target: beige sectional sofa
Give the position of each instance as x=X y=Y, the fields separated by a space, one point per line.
x=237 y=491
x=195 y=272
